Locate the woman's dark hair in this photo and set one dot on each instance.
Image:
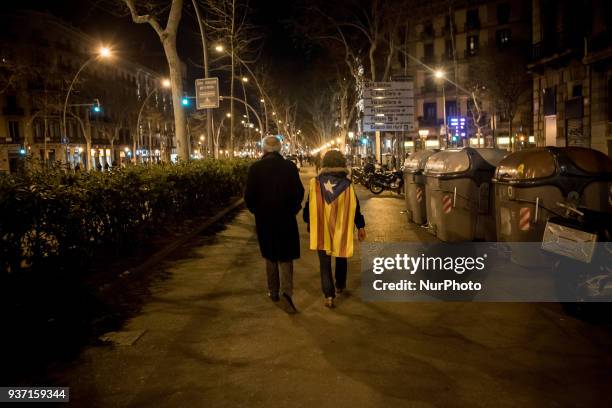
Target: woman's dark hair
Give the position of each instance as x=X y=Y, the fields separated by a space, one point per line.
x=333 y=158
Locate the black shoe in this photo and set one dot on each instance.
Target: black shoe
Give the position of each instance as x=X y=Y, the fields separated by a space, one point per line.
x=291 y=309
x=273 y=297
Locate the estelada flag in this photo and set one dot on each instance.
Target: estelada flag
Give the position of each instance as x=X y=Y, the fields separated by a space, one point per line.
x=332 y=215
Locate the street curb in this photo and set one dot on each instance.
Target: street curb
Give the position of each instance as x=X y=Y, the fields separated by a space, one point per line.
x=160 y=255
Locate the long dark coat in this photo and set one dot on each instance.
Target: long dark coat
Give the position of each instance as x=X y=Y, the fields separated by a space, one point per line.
x=274 y=193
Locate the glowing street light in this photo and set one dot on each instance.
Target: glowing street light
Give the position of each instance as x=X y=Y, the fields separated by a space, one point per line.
x=105 y=52
x=219 y=48
x=439 y=74
x=165 y=83
x=229 y=115
x=245 y=79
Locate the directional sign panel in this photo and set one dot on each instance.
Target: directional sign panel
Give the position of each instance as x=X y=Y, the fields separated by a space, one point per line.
x=402 y=119
x=386 y=93
x=390 y=127
x=207 y=93
x=397 y=86
x=388 y=106
x=369 y=103
x=388 y=110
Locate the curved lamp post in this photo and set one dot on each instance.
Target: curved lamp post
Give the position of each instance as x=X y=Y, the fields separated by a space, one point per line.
x=103 y=52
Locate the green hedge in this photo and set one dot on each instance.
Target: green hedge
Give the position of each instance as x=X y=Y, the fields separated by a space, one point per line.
x=53 y=220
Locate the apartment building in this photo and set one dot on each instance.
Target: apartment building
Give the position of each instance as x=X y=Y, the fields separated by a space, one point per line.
x=462 y=42
x=572 y=73
x=40 y=57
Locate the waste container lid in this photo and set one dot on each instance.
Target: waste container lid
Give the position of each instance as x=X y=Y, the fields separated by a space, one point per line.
x=542 y=162
x=416 y=161
x=462 y=160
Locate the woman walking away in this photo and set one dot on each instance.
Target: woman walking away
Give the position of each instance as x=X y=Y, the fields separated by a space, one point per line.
x=330 y=212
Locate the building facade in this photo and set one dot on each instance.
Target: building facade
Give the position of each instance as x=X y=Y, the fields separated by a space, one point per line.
x=473 y=44
x=107 y=120
x=572 y=73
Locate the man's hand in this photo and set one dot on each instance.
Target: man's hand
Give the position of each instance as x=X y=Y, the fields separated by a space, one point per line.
x=361 y=234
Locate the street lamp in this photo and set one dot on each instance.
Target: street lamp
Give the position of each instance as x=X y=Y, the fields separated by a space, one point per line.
x=439 y=74
x=219 y=48
x=103 y=52
x=245 y=79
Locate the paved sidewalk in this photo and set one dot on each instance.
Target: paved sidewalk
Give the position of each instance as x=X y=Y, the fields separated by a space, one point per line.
x=213 y=339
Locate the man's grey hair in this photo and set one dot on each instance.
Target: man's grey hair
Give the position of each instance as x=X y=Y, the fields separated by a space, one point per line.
x=271 y=144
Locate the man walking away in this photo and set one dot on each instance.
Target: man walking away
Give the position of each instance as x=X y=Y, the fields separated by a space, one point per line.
x=274 y=194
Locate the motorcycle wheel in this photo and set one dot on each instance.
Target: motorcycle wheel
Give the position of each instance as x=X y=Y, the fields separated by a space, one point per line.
x=376 y=189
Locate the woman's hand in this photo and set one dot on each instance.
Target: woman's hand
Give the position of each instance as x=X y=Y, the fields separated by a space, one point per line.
x=361 y=234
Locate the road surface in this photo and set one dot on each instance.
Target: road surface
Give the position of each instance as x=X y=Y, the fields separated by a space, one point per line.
x=213 y=339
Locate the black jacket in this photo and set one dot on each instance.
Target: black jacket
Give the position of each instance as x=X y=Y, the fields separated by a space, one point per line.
x=274 y=194
x=359 y=220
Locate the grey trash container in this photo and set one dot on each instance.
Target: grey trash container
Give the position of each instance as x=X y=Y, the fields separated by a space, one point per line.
x=458 y=192
x=414 y=186
x=530 y=183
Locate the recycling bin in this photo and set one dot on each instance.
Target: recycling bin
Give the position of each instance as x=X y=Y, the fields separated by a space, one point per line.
x=458 y=192
x=530 y=185
x=414 y=186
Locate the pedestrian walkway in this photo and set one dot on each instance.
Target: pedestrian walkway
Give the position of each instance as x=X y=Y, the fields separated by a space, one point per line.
x=213 y=339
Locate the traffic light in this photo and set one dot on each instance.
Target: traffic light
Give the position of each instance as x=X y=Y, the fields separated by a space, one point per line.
x=364 y=141
x=96 y=106
x=454 y=138
x=185 y=101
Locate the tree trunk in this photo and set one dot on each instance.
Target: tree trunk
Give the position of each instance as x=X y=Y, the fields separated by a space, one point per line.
x=176 y=79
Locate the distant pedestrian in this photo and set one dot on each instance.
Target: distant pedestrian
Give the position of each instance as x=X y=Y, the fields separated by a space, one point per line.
x=274 y=194
x=332 y=212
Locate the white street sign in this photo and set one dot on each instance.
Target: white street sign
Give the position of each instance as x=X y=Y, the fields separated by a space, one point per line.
x=369 y=103
x=207 y=93
x=386 y=93
x=388 y=106
x=388 y=110
x=395 y=85
x=389 y=127
x=405 y=119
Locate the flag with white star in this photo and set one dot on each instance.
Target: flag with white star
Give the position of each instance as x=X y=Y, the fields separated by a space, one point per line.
x=332 y=186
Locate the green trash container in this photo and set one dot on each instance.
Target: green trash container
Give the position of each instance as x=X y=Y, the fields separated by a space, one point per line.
x=530 y=183
x=414 y=186
x=458 y=192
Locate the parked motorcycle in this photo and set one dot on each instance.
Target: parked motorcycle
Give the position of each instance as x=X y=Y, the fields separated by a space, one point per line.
x=360 y=176
x=387 y=180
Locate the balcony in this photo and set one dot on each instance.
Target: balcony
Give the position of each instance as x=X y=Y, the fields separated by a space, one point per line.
x=426 y=121
x=428 y=33
x=470 y=53
x=556 y=45
x=13 y=111
x=472 y=25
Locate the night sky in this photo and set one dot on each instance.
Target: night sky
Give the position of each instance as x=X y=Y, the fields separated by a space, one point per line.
x=281 y=50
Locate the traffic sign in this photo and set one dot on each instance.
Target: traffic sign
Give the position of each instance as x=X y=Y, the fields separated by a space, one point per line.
x=388 y=106
x=405 y=119
x=369 y=103
x=394 y=85
x=386 y=93
x=388 y=110
x=207 y=93
x=390 y=127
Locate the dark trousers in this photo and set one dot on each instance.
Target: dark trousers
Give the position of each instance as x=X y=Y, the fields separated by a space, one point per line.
x=283 y=282
x=327 y=279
